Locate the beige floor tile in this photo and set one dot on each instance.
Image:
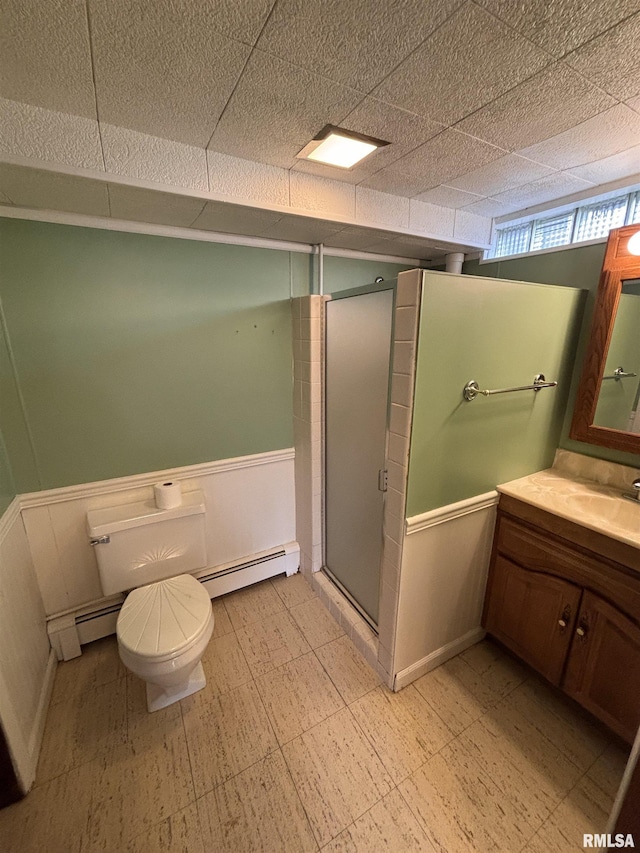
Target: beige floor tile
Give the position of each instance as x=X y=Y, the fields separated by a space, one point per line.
x=224 y=664
x=460 y=808
x=500 y=672
x=297 y=696
x=348 y=670
x=571 y=729
x=585 y=809
x=457 y=693
x=226 y=734
x=609 y=768
x=51 y=818
x=252 y=604
x=98 y=664
x=529 y=770
x=271 y=643
x=316 y=623
x=388 y=827
x=336 y=773
x=403 y=729
x=293 y=590
x=258 y=810
x=178 y=834
x=90 y=725
x=221 y=622
x=141 y=785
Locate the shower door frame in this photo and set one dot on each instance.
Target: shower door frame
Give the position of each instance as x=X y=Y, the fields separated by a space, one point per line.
x=346 y=294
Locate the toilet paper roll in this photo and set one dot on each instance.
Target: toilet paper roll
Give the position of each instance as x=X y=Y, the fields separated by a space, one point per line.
x=168 y=495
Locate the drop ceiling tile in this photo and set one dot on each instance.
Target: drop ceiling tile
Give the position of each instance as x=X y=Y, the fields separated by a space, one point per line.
x=560 y=27
x=46 y=57
x=490 y=207
x=244 y=179
x=277 y=108
x=163 y=161
x=431 y=218
x=469 y=227
x=300 y=229
x=159 y=208
x=355 y=238
x=551 y=102
x=448 y=197
x=612 y=60
x=602 y=136
x=501 y=175
x=626 y=164
x=163 y=68
x=442 y=158
x=45 y=190
x=392 y=180
x=404 y=130
x=243 y=20
x=332 y=173
x=312 y=193
x=373 y=206
x=634 y=103
x=472 y=59
x=552 y=187
x=356 y=43
x=393 y=246
x=40 y=134
x=4 y=199
x=234 y=219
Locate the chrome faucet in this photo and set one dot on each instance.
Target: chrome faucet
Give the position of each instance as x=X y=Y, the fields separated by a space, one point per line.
x=635 y=494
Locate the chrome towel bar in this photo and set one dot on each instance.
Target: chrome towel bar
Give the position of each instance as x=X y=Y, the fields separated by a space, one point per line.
x=618 y=374
x=471 y=389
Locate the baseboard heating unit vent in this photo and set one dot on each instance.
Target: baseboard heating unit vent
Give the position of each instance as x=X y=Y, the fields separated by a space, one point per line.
x=71 y=630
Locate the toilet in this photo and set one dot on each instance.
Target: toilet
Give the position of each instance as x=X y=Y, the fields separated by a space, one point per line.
x=166 y=621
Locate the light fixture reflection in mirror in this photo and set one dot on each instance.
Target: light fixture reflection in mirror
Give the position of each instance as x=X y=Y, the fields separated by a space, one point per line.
x=633 y=246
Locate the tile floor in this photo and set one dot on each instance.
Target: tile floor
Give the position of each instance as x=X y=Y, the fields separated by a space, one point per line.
x=294 y=745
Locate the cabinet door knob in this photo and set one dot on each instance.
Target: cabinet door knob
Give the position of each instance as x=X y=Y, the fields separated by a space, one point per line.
x=581 y=632
x=562 y=623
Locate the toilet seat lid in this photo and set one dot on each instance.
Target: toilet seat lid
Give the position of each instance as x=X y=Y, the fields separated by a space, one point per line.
x=164 y=618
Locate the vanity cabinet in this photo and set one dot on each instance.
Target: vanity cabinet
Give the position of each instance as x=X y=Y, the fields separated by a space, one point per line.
x=566 y=600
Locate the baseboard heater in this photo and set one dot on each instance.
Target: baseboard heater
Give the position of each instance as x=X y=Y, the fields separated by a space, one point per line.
x=69 y=631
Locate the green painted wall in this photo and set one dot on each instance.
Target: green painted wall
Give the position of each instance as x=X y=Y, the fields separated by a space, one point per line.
x=345 y=273
x=579 y=267
x=7 y=487
x=500 y=334
x=135 y=353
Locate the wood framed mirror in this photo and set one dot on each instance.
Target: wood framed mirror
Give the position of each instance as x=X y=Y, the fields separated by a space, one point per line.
x=607 y=409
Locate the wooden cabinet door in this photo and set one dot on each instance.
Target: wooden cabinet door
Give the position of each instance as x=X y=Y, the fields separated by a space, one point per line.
x=533 y=614
x=603 y=670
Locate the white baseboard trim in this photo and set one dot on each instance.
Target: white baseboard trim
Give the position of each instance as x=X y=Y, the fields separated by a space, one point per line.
x=120 y=484
x=447 y=513
x=35 y=741
x=435 y=659
x=9 y=516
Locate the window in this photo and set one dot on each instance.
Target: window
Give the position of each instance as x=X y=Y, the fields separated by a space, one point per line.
x=591 y=221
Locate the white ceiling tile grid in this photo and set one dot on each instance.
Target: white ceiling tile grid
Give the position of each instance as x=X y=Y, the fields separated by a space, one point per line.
x=431 y=218
x=490 y=106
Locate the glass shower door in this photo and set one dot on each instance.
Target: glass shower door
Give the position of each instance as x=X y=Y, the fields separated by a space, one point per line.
x=358 y=351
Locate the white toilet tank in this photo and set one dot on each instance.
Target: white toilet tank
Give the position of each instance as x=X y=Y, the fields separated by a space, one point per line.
x=137 y=544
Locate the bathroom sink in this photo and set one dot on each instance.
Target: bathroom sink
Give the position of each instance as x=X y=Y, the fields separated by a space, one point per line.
x=608 y=509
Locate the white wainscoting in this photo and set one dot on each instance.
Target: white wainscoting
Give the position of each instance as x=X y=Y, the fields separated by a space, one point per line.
x=27 y=663
x=250 y=505
x=442 y=583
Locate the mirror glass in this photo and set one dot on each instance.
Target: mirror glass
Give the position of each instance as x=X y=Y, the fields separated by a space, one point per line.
x=618 y=406
x=607 y=408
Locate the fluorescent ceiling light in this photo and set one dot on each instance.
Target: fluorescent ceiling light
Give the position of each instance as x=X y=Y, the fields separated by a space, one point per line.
x=342 y=148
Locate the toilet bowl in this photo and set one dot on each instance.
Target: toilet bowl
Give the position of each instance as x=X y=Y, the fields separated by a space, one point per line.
x=163 y=630
x=166 y=621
